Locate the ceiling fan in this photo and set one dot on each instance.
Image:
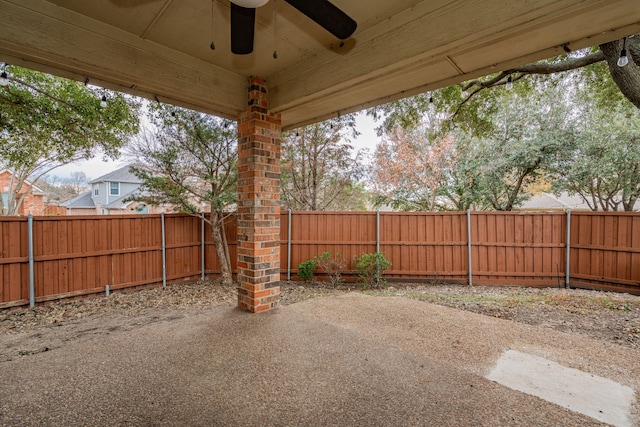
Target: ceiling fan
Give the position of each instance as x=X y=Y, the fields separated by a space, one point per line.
x=324 y=13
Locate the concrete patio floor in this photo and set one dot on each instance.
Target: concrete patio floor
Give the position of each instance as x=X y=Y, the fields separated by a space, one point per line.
x=352 y=360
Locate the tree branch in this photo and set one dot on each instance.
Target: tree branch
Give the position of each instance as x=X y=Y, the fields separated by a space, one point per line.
x=537 y=68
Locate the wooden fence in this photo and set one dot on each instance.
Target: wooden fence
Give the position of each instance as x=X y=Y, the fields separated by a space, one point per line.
x=74 y=256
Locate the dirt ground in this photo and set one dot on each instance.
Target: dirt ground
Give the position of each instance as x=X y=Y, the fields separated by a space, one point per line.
x=604 y=316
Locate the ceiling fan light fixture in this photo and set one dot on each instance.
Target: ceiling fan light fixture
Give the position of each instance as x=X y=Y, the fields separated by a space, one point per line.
x=252 y=4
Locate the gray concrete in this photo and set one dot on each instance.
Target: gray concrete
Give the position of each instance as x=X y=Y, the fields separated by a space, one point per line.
x=588 y=394
x=346 y=361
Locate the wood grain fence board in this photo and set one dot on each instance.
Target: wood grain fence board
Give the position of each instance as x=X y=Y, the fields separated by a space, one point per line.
x=348 y=233
x=507 y=242
x=623 y=266
x=635 y=242
x=422 y=244
x=284 y=246
x=14 y=281
x=605 y=248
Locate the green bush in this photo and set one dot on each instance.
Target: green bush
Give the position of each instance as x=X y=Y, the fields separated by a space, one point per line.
x=332 y=266
x=306 y=269
x=370 y=268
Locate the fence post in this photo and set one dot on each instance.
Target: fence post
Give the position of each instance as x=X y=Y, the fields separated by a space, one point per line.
x=202 y=245
x=568 y=262
x=377 y=247
x=164 y=254
x=32 y=295
x=377 y=231
x=469 y=247
x=289 y=247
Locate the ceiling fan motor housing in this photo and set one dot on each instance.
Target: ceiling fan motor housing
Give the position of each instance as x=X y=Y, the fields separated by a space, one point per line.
x=250 y=3
x=322 y=12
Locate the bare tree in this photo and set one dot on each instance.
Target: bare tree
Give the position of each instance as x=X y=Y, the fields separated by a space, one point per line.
x=318 y=170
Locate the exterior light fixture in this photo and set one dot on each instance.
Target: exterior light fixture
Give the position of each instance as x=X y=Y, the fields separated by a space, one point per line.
x=624 y=59
x=103 y=101
x=509 y=84
x=4 y=78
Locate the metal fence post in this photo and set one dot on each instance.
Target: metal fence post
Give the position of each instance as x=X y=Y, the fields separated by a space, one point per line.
x=377 y=247
x=377 y=231
x=289 y=247
x=567 y=272
x=32 y=295
x=469 y=247
x=164 y=254
x=202 y=244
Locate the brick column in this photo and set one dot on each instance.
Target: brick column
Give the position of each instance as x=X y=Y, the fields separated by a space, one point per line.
x=258 y=203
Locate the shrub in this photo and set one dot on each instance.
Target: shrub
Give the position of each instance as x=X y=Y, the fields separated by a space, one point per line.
x=306 y=269
x=370 y=268
x=332 y=266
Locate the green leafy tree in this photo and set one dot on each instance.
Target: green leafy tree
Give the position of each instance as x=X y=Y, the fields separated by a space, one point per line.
x=605 y=165
x=500 y=158
x=532 y=134
x=47 y=122
x=319 y=170
x=523 y=133
x=189 y=161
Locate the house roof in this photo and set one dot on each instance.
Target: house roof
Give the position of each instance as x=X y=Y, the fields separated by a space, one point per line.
x=36 y=190
x=562 y=201
x=119 y=203
x=119 y=175
x=82 y=200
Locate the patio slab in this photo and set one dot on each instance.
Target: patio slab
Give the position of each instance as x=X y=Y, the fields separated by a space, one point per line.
x=348 y=360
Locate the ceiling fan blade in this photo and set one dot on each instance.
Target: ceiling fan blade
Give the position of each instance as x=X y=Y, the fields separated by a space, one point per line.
x=242 y=27
x=327 y=16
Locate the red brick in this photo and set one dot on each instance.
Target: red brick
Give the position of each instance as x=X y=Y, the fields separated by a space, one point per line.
x=261 y=308
x=252 y=288
x=261 y=294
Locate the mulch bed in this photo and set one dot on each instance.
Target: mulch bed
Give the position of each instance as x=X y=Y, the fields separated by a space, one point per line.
x=605 y=316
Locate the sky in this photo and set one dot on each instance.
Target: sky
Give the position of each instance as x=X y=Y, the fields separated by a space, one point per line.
x=96 y=167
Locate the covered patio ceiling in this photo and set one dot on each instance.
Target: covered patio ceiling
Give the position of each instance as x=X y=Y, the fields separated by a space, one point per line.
x=162 y=48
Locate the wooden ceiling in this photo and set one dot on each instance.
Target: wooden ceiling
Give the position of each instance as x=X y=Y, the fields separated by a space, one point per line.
x=161 y=48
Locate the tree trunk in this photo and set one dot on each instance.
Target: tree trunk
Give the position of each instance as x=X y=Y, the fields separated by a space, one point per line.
x=628 y=77
x=219 y=242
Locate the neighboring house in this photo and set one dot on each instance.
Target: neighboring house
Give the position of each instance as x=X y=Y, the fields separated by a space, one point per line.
x=34 y=200
x=107 y=196
x=562 y=202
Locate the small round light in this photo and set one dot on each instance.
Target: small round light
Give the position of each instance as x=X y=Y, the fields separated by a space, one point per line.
x=4 y=79
x=624 y=59
x=103 y=102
